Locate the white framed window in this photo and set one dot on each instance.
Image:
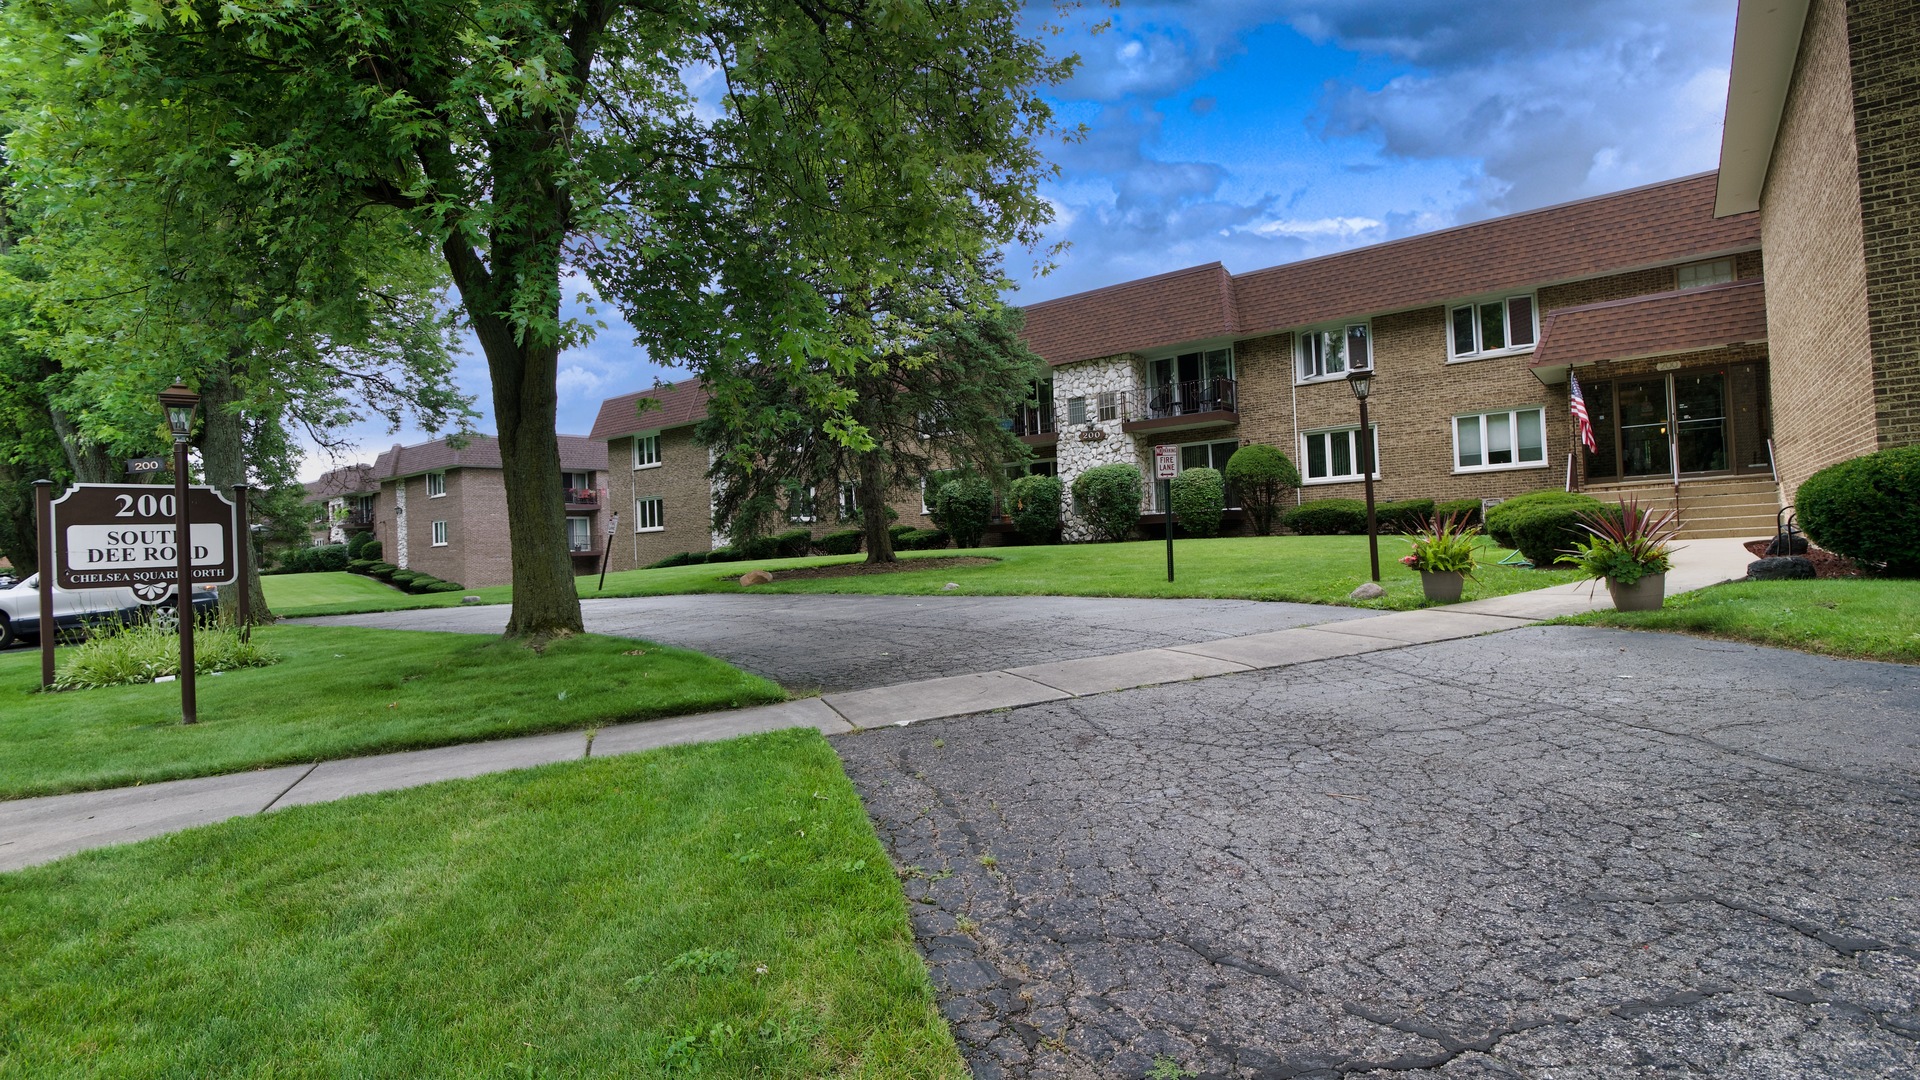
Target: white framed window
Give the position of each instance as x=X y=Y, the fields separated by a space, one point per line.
x=1076 y=410
x=1204 y=455
x=579 y=534
x=646 y=451
x=1500 y=440
x=1333 y=456
x=849 y=501
x=649 y=514
x=436 y=485
x=1109 y=405
x=1491 y=328
x=439 y=534
x=926 y=509
x=800 y=504
x=1331 y=351
x=1711 y=272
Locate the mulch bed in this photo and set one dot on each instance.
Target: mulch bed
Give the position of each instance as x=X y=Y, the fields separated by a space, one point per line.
x=1825 y=563
x=861 y=569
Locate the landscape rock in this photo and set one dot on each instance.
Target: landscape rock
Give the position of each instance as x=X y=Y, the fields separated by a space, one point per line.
x=1370 y=591
x=469 y=599
x=1785 y=568
x=950 y=586
x=755 y=577
x=1787 y=545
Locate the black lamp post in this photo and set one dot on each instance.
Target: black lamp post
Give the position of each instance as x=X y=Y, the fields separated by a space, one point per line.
x=1361 y=379
x=180 y=404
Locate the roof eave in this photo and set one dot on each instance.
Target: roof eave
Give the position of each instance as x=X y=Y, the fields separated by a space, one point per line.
x=1766 y=45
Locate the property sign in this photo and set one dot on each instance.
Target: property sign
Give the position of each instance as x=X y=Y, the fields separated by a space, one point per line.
x=121 y=536
x=142 y=466
x=1166 y=462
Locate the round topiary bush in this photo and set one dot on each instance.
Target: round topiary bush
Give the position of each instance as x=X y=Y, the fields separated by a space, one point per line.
x=370 y=550
x=1262 y=477
x=357 y=544
x=1198 y=498
x=1867 y=509
x=1034 y=505
x=964 y=507
x=1542 y=524
x=1107 y=498
x=1328 y=517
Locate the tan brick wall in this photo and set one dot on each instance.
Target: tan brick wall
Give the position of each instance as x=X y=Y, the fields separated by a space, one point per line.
x=680 y=480
x=1822 y=368
x=1883 y=38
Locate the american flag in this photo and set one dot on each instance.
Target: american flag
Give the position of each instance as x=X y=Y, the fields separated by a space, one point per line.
x=1580 y=419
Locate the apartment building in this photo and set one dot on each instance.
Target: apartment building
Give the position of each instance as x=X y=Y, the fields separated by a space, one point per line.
x=1822 y=144
x=1473 y=334
x=344 y=501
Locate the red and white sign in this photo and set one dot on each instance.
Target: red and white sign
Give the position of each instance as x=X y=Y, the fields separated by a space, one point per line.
x=1166 y=462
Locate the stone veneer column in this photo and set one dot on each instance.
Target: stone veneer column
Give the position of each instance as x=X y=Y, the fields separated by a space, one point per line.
x=400 y=524
x=1096 y=442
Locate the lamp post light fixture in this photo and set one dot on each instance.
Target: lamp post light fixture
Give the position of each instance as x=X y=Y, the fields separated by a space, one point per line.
x=180 y=404
x=1361 y=380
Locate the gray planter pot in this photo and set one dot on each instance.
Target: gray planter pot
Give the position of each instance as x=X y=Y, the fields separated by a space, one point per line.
x=1443 y=586
x=1647 y=594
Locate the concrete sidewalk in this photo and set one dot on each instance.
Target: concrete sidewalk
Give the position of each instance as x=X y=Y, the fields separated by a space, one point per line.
x=39 y=830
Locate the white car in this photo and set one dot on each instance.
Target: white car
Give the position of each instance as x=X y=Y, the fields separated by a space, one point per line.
x=75 y=611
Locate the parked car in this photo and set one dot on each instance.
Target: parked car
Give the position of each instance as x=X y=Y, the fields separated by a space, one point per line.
x=74 y=612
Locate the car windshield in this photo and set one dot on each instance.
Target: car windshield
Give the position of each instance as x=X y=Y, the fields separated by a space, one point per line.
x=31 y=581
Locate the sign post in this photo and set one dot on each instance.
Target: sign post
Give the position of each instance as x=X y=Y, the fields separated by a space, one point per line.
x=613 y=527
x=1166 y=466
x=43 y=511
x=183 y=582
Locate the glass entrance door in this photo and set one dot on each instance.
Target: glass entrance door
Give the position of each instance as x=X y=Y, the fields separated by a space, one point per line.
x=1700 y=422
x=1645 y=442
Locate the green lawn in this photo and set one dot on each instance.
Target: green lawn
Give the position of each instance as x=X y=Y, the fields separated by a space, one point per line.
x=722 y=910
x=1864 y=618
x=302 y=590
x=1309 y=569
x=340 y=692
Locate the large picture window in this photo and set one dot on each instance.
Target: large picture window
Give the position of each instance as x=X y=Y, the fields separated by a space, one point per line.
x=649 y=514
x=1330 y=352
x=1499 y=440
x=646 y=451
x=1491 y=328
x=1334 y=455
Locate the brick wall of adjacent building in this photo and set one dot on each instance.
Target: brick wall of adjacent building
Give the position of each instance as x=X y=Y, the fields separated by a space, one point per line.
x=1883 y=39
x=680 y=480
x=1817 y=325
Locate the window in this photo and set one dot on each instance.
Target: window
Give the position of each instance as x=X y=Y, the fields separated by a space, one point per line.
x=436 y=484
x=800 y=504
x=1335 y=455
x=1190 y=383
x=1496 y=326
x=1331 y=352
x=1499 y=440
x=649 y=514
x=849 y=501
x=1712 y=272
x=646 y=451
x=439 y=534
x=1206 y=455
x=1076 y=410
x=1109 y=405
x=579 y=534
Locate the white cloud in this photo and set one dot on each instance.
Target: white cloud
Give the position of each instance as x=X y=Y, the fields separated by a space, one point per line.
x=1329 y=226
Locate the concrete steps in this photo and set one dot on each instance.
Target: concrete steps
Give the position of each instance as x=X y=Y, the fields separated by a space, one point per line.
x=1740 y=507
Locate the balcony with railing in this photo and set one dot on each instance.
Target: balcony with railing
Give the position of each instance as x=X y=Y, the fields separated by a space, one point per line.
x=359 y=518
x=1034 y=425
x=1173 y=406
x=582 y=499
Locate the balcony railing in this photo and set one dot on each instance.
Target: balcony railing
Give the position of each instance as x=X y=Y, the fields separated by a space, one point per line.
x=359 y=519
x=583 y=497
x=1173 y=400
x=1032 y=421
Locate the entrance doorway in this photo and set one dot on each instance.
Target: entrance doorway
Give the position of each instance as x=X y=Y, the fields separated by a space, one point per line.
x=1705 y=422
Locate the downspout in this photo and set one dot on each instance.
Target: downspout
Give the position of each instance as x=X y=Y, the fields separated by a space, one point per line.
x=1293 y=409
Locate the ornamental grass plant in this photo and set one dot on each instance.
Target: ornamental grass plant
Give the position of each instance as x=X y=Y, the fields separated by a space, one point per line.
x=143 y=652
x=1624 y=545
x=1443 y=545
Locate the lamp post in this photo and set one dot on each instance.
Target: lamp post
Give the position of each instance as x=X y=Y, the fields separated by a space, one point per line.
x=180 y=404
x=1361 y=380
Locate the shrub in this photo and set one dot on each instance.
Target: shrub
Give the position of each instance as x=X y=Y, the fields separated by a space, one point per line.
x=1198 y=498
x=924 y=540
x=793 y=543
x=1107 y=498
x=683 y=558
x=1405 y=516
x=359 y=566
x=357 y=546
x=724 y=554
x=845 y=542
x=1035 y=505
x=1466 y=511
x=371 y=549
x=897 y=532
x=1542 y=524
x=1867 y=509
x=1263 y=477
x=326 y=558
x=1328 y=517
x=383 y=571
x=403 y=577
x=445 y=586
x=964 y=507
x=759 y=547
x=139 y=653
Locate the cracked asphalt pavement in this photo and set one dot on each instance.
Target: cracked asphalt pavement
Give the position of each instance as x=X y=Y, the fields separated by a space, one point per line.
x=1554 y=852
x=841 y=642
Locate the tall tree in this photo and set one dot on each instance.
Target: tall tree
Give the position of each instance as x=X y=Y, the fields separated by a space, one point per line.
x=521 y=139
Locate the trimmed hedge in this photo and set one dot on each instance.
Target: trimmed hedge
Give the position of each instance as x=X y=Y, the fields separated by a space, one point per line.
x=1541 y=524
x=793 y=543
x=1262 y=476
x=1198 y=498
x=1034 y=503
x=923 y=540
x=845 y=542
x=759 y=547
x=1403 y=516
x=324 y=558
x=898 y=531
x=724 y=554
x=383 y=571
x=357 y=544
x=1107 y=498
x=1328 y=517
x=684 y=558
x=964 y=507
x=1867 y=509
x=1467 y=510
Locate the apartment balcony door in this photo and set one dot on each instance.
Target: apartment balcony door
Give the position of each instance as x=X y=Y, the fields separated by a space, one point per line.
x=1706 y=422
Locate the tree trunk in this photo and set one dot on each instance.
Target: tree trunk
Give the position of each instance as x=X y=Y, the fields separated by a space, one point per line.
x=223 y=460
x=90 y=461
x=873 y=511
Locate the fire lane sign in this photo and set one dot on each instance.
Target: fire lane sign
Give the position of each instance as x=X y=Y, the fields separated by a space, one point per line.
x=1166 y=462
x=114 y=536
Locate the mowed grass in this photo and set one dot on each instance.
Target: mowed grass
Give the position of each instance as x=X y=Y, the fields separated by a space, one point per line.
x=1305 y=569
x=302 y=590
x=1862 y=618
x=341 y=692
x=722 y=910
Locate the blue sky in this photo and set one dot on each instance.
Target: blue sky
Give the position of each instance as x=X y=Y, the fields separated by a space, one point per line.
x=1256 y=132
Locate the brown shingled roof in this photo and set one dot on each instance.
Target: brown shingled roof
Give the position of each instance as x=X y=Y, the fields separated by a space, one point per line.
x=1712 y=317
x=681 y=404
x=1662 y=223
x=578 y=453
x=346 y=480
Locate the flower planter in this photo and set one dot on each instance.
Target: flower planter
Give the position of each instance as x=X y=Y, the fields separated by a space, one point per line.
x=1443 y=586
x=1647 y=594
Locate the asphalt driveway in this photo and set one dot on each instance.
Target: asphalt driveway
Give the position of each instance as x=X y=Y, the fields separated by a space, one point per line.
x=1553 y=852
x=838 y=642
